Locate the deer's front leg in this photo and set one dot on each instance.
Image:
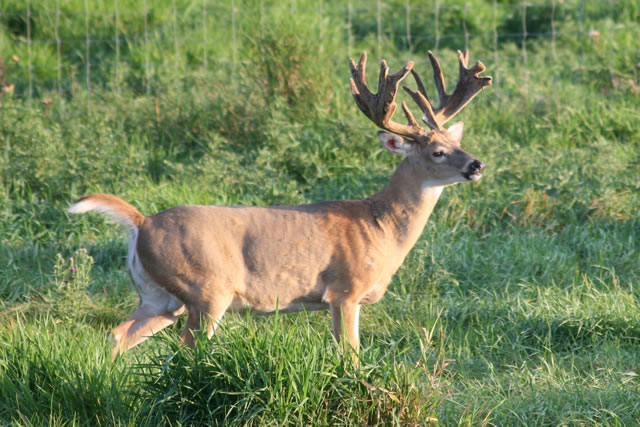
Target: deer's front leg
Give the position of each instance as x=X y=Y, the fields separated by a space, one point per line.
x=208 y=312
x=348 y=314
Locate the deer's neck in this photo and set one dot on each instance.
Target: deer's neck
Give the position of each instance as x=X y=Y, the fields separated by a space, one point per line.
x=403 y=207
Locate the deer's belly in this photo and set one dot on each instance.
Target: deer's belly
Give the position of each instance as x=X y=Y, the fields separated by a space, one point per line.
x=241 y=304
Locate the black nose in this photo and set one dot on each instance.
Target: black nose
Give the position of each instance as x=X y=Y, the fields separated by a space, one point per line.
x=476 y=166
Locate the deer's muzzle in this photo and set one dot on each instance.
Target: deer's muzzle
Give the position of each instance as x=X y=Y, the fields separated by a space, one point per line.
x=474 y=170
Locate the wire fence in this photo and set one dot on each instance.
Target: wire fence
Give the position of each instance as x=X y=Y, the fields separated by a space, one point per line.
x=168 y=44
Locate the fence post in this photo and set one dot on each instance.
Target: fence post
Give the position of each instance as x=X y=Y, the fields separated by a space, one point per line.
x=88 y=51
x=464 y=26
x=175 y=43
x=234 y=46
x=147 y=71
x=349 y=29
x=29 y=56
x=553 y=29
x=205 y=40
x=58 y=46
x=379 y=19
x=524 y=54
x=437 y=18
x=409 y=42
x=495 y=41
x=117 y=39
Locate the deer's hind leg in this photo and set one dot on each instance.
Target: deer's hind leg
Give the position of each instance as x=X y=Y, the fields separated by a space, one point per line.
x=148 y=320
x=157 y=310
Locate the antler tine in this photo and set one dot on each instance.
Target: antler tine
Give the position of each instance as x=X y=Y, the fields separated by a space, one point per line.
x=382 y=77
x=423 y=102
x=359 y=88
x=468 y=86
x=463 y=58
x=418 y=80
x=379 y=107
x=410 y=119
x=438 y=78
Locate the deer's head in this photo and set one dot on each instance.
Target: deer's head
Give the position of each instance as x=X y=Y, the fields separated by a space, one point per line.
x=435 y=151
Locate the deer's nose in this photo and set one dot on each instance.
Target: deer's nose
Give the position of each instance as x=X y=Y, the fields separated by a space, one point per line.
x=476 y=166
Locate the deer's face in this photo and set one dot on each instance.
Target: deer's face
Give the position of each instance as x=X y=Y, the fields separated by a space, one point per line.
x=442 y=160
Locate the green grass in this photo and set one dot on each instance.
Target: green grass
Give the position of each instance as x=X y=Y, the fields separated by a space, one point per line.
x=518 y=306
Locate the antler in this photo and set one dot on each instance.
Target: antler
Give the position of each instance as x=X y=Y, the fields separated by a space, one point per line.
x=379 y=107
x=468 y=86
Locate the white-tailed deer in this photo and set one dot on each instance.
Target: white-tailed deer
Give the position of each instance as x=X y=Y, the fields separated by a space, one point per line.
x=333 y=255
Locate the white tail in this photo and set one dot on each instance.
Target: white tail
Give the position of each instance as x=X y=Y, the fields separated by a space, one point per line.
x=112 y=206
x=333 y=255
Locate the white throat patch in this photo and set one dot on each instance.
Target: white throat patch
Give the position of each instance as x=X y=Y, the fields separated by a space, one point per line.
x=432 y=188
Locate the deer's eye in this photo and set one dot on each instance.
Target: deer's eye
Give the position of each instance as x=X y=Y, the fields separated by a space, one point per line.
x=438 y=153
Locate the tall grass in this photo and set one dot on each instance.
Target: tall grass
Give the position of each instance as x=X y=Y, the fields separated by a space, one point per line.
x=264 y=373
x=527 y=281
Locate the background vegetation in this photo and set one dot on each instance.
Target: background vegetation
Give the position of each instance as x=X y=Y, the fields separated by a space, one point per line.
x=519 y=305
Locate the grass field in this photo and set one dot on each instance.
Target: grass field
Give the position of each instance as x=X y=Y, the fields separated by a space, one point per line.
x=520 y=304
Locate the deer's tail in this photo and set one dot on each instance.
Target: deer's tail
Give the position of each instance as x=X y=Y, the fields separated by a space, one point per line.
x=112 y=206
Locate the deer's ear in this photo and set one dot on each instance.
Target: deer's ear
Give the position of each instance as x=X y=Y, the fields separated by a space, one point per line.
x=396 y=144
x=455 y=131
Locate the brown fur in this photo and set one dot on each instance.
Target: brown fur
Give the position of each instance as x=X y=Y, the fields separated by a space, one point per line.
x=333 y=255
x=336 y=254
